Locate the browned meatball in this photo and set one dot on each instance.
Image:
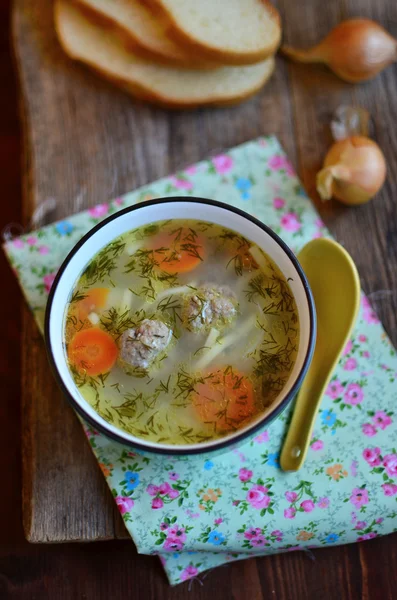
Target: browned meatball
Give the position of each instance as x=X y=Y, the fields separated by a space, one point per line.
x=211 y=306
x=141 y=345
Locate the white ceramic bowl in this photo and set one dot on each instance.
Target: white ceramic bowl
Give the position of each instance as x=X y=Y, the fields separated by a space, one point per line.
x=158 y=210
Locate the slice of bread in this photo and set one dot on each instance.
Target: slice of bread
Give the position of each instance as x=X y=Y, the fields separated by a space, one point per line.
x=141 y=31
x=167 y=86
x=228 y=31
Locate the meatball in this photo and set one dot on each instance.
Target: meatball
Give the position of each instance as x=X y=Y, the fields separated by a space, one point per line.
x=212 y=305
x=141 y=345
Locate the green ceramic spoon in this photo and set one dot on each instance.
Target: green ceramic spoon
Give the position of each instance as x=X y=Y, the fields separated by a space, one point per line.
x=335 y=284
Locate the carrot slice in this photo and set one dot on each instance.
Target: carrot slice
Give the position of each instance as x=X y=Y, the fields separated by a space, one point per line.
x=225 y=399
x=94 y=299
x=178 y=252
x=92 y=351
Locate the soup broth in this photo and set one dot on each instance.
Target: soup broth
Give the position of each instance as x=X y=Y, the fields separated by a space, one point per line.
x=180 y=332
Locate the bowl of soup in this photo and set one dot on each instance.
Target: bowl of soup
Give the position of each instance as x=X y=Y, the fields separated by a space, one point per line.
x=180 y=326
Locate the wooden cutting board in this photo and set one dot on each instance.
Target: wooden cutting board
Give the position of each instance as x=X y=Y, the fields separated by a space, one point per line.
x=86 y=142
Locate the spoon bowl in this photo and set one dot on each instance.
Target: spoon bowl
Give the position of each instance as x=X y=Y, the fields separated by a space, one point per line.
x=335 y=284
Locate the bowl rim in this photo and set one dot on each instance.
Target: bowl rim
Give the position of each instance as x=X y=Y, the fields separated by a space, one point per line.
x=223 y=443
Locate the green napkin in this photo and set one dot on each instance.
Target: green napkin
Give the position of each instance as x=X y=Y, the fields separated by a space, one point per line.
x=200 y=512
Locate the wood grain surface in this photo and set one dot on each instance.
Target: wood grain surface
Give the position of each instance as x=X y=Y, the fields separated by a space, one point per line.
x=86 y=142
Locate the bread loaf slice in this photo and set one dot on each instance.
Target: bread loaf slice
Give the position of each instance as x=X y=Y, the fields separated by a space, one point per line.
x=167 y=86
x=228 y=31
x=142 y=32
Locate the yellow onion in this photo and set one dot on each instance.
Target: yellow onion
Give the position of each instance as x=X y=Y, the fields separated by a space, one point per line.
x=354 y=171
x=356 y=50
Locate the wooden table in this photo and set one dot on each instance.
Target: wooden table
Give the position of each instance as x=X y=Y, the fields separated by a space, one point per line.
x=88 y=143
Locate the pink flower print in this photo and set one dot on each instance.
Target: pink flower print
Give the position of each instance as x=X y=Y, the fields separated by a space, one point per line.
x=366 y=354
x=172 y=544
x=347 y=349
x=371 y=318
x=173 y=494
x=18 y=243
x=48 y=281
x=379 y=521
x=152 y=490
x=317 y=234
x=291 y=496
x=289 y=169
x=277 y=534
x=124 y=504
x=218 y=521
x=319 y=223
x=323 y=502
x=100 y=210
x=362 y=338
x=181 y=183
x=359 y=497
x=278 y=203
x=276 y=162
x=365 y=303
x=369 y=430
x=307 y=505
x=252 y=532
x=189 y=572
x=334 y=389
x=173 y=476
x=354 y=394
x=390 y=463
x=118 y=202
x=367 y=536
x=350 y=364
x=191 y=170
x=381 y=419
x=163 y=526
x=164 y=488
x=222 y=163
x=262 y=437
x=177 y=532
x=290 y=222
x=157 y=503
x=317 y=445
x=259 y=541
x=245 y=474
x=289 y=513
x=32 y=241
x=258 y=497
x=360 y=525
x=389 y=489
x=372 y=456
x=44 y=250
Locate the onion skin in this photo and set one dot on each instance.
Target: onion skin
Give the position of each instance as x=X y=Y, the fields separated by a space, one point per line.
x=356 y=50
x=354 y=171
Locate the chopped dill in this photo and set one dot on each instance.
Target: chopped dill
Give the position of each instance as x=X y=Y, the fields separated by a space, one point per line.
x=104 y=263
x=77 y=296
x=116 y=323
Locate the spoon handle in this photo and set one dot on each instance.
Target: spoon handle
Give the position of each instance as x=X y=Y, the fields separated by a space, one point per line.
x=299 y=434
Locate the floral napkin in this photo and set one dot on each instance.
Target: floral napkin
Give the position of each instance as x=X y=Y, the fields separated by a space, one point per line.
x=201 y=512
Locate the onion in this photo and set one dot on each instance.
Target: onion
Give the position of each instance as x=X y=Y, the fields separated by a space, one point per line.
x=354 y=171
x=356 y=50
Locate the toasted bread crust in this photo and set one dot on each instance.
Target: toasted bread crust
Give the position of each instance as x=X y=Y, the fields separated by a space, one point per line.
x=226 y=57
x=145 y=92
x=181 y=58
